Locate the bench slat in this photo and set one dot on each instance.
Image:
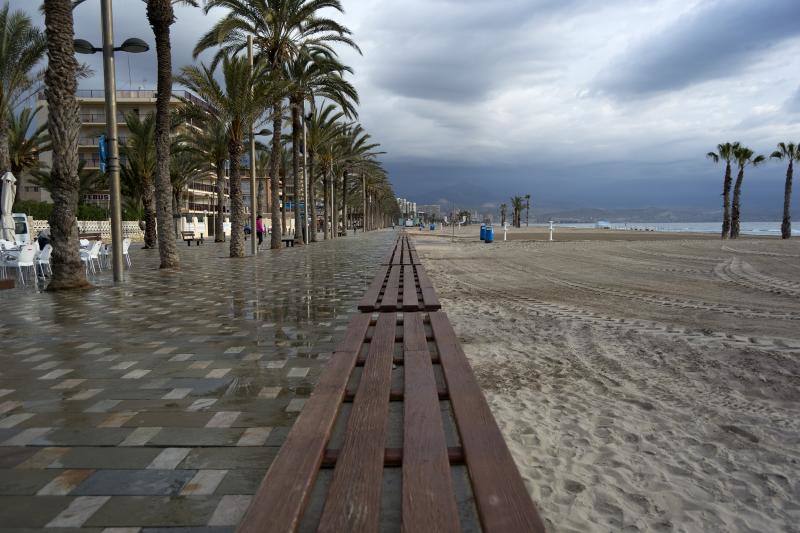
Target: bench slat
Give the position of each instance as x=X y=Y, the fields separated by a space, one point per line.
x=410 y=301
x=370 y=299
x=389 y=301
x=278 y=505
x=500 y=494
x=428 y=499
x=354 y=497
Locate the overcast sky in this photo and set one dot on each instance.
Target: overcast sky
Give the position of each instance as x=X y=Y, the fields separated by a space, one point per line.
x=608 y=103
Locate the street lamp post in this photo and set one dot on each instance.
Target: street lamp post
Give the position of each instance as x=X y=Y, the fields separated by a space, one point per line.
x=134 y=46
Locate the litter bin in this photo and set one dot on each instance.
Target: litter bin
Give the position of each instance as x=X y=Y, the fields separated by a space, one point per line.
x=489 y=234
x=433 y=227
x=483 y=232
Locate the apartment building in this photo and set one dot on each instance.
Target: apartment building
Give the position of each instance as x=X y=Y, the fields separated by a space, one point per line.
x=199 y=198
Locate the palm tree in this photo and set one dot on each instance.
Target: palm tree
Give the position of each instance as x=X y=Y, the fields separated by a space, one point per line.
x=323 y=129
x=355 y=150
x=517 y=205
x=22 y=46
x=246 y=94
x=503 y=212
x=140 y=166
x=280 y=30
x=184 y=165
x=744 y=156
x=791 y=153
x=211 y=145
x=314 y=75
x=60 y=85
x=161 y=15
x=725 y=152
x=26 y=143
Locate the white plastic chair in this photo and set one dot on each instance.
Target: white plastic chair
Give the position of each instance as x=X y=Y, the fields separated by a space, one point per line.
x=44 y=259
x=105 y=255
x=90 y=256
x=126 y=244
x=24 y=259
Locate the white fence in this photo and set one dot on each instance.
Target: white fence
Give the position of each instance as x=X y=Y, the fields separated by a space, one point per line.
x=103 y=227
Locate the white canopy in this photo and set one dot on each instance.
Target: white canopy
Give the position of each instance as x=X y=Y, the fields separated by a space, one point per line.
x=9 y=190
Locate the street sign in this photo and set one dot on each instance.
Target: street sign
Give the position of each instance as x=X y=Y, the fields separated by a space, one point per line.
x=103 y=152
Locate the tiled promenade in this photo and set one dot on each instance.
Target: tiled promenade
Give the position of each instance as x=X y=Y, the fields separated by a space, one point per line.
x=161 y=402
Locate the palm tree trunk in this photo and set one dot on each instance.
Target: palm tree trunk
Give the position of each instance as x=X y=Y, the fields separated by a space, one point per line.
x=274 y=162
x=786 y=225
x=737 y=195
x=237 y=201
x=363 y=204
x=297 y=129
x=334 y=209
x=63 y=126
x=219 y=231
x=148 y=200
x=726 y=202
x=5 y=154
x=327 y=211
x=344 y=203
x=161 y=16
x=312 y=201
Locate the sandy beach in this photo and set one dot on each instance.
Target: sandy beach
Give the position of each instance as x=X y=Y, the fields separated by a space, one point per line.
x=644 y=382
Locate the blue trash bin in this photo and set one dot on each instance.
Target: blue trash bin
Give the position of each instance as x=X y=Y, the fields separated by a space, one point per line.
x=433 y=227
x=483 y=232
x=489 y=234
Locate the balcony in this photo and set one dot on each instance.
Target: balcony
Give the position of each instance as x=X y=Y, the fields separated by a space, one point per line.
x=100 y=118
x=140 y=94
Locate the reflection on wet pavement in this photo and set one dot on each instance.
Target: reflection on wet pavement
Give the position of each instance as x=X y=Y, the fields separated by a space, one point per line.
x=162 y=401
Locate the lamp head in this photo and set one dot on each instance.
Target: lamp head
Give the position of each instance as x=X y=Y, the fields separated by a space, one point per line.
x=82 y=46
x=134 y=46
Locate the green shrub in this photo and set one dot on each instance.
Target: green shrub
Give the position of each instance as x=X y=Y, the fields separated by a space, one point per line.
x=32 y=208
x=42 y=210
x=91 y=212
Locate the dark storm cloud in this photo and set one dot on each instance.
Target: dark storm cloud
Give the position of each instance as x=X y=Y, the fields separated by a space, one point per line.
x=460 y=51
x=717 y=40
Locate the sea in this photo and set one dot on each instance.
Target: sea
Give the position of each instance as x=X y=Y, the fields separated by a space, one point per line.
x=762 y=229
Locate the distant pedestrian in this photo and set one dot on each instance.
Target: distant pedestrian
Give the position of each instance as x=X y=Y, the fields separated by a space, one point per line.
x=260 y=229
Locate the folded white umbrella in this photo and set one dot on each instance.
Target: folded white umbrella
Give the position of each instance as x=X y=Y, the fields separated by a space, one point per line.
x=9 y=190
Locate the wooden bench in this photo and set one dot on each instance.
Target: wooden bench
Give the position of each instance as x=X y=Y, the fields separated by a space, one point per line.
x=454 y=469
x=94 y=236
x=189 y=238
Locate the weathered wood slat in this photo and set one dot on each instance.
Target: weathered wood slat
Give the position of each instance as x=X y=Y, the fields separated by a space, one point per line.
x=429 y=298
x=500 y=494
x=390 y=293
x=393 y=457
x=370 y=299
x=428 y=500
x=410 y=301
x=387 y=259
x=278 y=505
x=354 y=497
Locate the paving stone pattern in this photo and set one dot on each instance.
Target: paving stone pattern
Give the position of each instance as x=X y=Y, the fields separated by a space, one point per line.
x=160 y=402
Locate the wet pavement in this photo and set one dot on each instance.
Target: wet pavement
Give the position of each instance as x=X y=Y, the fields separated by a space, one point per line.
x=161 y=402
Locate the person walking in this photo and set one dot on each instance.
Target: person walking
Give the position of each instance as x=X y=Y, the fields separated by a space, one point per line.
x=260 y=229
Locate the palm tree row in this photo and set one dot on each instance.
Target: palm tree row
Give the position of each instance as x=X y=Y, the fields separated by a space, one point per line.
x=295 y=64
x=743 y=157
